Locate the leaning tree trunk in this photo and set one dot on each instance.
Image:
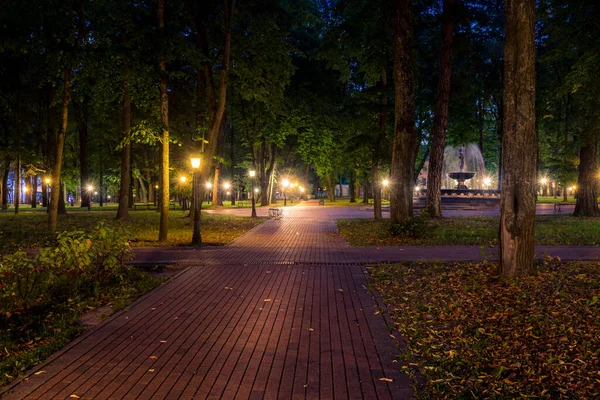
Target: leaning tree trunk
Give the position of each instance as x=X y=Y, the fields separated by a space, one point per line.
x=58 y=154
x=124 y=186
x=164 y=120
x=433 y=205
x=517 y=215
x=405 y=141
x=587 y=193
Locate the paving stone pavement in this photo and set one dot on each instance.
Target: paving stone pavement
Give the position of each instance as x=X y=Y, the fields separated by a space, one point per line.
x=283 y=312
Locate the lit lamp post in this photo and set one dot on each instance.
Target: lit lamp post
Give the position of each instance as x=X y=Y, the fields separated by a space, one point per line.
x=486 y=182
x=385 y=183
x=208 y=186
x=90 y=188
x=252 y=174
x=543 y=181
x=196 y=238
x=47 y=180
x=226 y=185
x=285 y=183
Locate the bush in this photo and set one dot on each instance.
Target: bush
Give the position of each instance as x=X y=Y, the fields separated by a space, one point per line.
x=410 y=228
x=78 y=263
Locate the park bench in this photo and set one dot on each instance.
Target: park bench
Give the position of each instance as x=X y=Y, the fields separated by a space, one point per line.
x=275 y=213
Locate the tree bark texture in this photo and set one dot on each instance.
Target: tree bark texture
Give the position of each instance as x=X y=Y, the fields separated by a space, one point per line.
x=34 y=185
x=124 y=186
x=517 y=214
x=58 y=152
x=164 y=119
x=587 y=186
x=433 y=206
x=377 y=214
x=403 y=149
x=83 y=153
x=220 y=193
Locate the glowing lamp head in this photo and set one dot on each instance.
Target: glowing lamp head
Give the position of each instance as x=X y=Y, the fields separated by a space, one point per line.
x=195 y=162
x=487 y=181
x=417 y=188
x=156 y=187
x=256 y=190
x=208 y=185
x=544 y=181
x=301 y=189
x=182 y=179
x=226 y=185
x=385 y=182
x=285 y=183
x=90 y=188
x=25 y=189
x=47 y=181
x=252 y=173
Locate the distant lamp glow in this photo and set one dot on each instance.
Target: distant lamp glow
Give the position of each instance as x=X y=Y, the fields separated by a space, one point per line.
x=543 y=181
x=90 y=188
x=285 y=183
x=301 y=189
x=156 y=186
x=226 y=185
x=417 y=188
x=25 y=189
x=95 y=193
x=385 y=182
x=108 y=197
x=487 y=181
x=208 y=185
x=183 y=179
x=252 y=173
x=256 y=190
x=47 y=181
x=228 y=193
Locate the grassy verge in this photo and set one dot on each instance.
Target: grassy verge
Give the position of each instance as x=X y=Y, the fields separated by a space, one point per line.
x=549 y=230
x=28 y=338
x=552 y=199
x=345 y=202
x=472 y=335
x=29 y=230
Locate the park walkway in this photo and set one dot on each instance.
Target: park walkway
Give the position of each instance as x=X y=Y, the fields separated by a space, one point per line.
x=283 y=312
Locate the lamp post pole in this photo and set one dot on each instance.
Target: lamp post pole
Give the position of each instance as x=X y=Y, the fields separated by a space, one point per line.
x=90 y=188
x=285 y=183
x=252 y=174
x=196 y=236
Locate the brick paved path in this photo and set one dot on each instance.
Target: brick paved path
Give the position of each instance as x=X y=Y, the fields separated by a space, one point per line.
x=283 y=312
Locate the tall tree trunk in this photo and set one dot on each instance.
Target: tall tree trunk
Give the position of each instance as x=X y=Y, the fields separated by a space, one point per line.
x=5 y=185
x=17 y=185
x=405 y=141
x=306 y=184
x=58 y=152
x=218 y=193
x=517 y=215
x=365 y=199
x=377 y=148
x=433 y=205
x=34 y=185
x=587 y=186
x=125 y=184
x=331 y=190
x=164 y=120
x=101 y=184
x=83 y=153
x=232 y=157
x=352 y=185
x=62 y=206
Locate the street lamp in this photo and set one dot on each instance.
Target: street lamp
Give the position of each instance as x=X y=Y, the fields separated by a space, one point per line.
x=252 y=174
x=182 y=179
x=487 y=182
x=385 y=183
x=196 y=237
x=90 y=188
x=208 y=186
x=47 y=181
x=285 y=183
x=226 y=185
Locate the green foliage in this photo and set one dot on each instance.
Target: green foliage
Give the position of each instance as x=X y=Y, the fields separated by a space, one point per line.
x=78 y=264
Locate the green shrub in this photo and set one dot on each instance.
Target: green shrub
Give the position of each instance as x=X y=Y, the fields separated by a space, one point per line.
x=410 y=228
x=77 y=265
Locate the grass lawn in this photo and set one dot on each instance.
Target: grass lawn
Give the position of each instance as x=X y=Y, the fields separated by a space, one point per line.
x=552 y=199
x=248 y=204
x=345 y=202
x=29 y=229
x=482 y=231
x=28 y=338
x=471 y=335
